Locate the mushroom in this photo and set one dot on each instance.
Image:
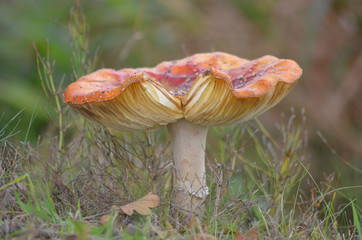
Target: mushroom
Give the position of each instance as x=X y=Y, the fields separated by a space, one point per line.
x=187 y=95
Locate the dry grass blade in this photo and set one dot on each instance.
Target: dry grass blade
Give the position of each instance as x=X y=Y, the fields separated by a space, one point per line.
x=202 y=236
x=142 y=205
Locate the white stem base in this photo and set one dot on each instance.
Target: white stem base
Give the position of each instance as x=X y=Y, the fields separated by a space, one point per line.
x=188 y=144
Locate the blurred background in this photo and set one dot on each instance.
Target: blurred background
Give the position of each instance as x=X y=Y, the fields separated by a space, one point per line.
x=323 y=36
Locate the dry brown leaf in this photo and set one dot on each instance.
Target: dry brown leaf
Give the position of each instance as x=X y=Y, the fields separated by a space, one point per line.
x=252 y=235
x=142 y=205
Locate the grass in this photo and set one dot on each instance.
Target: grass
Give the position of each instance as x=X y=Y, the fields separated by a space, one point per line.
x=260 y=182
x=51 y=195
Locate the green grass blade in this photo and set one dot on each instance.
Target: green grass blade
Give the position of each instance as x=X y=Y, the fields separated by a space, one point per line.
x=16 y=180
x=356 y=221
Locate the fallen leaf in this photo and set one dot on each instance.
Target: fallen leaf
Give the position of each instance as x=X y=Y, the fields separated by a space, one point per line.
x=142 y=205
x=252 y=235
x=238 y=236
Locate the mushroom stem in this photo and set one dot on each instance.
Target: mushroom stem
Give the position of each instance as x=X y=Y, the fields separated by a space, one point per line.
x=188 y=144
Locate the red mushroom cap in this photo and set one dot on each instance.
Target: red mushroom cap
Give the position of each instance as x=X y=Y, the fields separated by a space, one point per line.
x=207 y=89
